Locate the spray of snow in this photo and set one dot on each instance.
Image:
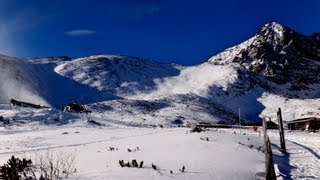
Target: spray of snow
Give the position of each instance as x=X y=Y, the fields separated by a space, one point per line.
x=196 y=80
x=17 y=81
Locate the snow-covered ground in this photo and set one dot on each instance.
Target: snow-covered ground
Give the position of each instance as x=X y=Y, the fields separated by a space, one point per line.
x=221 y=157
x=168 y=148
x=37 y=131
x=303 y=158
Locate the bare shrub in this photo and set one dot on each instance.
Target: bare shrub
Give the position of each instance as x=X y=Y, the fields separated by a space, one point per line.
x=56 y=165
x=49 y=166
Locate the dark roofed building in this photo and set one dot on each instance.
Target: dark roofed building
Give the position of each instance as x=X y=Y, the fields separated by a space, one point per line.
x=310 y=124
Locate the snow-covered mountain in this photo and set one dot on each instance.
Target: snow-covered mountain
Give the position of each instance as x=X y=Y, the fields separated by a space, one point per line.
x=280 y=54
x=278 y=67
x=288 y=62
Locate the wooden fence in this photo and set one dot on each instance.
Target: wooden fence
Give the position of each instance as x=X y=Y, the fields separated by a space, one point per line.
x=270 y=173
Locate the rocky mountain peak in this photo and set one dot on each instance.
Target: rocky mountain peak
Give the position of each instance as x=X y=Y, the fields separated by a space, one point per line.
x=273 y=29
x=278 y=53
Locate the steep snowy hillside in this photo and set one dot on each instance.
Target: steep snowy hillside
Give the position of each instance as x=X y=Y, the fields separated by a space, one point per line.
x=121 y=75
x=59 y=90
x=151 y=92
x=18 y=80
x=36 y=82
x=161 y=93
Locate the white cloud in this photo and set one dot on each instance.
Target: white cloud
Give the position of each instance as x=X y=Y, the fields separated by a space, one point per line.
x=79 y=32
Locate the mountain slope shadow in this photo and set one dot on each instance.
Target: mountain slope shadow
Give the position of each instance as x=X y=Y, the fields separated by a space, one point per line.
x=242 y=94
x=59 y=90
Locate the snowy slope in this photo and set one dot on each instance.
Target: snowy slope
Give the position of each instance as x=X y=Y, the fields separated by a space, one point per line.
x=36 y=82
x=59 y=90
x=120 y=75
x=178 y=89
x=18 y=81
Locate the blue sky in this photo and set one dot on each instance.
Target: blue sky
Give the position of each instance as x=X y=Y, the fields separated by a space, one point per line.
x=179 y=31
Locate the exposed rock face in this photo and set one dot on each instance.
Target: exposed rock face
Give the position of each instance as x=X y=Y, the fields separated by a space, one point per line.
x=279 y=54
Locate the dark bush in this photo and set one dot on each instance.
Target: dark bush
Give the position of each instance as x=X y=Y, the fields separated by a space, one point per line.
x=141 y=164
x=133 y=164
x=76 y=108
x=4 y=120
x=154 y=166
x=15 y=169
x=196 y=129
x=93 y=122
x=47 y=167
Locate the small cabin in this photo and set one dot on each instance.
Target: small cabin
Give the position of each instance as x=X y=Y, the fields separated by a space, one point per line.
x=310 y=124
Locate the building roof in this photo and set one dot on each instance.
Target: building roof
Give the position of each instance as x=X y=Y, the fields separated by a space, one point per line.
x=303 y=120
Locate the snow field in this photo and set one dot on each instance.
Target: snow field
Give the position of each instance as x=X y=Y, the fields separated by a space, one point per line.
x=169 y=149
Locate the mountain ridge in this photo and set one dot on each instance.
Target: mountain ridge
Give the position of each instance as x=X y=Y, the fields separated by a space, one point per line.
x=251 y=76
x=278 y=53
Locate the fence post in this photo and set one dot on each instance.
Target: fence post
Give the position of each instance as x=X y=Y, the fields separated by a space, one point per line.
x=269 y=168
x=264 y=126
x=270 y=172
x=281 y=131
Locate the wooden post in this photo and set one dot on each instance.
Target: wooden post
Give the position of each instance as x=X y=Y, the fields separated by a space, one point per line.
x=269 y=168
x=264 y=126
x=265 y=137
x=281 y=132
x=239 y=121
x=270 y=173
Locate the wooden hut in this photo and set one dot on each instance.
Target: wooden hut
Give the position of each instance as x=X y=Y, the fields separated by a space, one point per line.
x=310 y=124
